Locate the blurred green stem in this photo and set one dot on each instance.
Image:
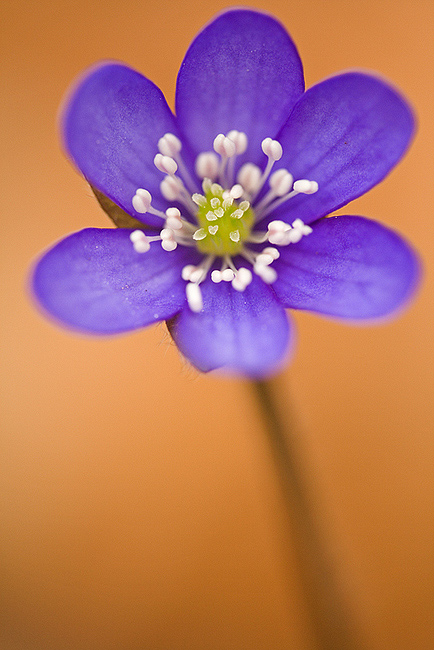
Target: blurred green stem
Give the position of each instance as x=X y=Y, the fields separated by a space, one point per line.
x=330 y=620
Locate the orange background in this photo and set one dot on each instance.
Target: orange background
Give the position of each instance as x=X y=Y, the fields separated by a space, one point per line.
x=140 y=505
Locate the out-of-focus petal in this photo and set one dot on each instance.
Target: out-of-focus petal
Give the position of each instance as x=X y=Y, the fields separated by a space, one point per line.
x=346 y=133
x=349 y=267
x=241 y=72
x=247 y=333
x=94 y=281
x=111 y=125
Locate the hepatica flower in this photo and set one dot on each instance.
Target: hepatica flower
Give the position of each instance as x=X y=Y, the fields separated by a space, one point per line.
x=231 y=197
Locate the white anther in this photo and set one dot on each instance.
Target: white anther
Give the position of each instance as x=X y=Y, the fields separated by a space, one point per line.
x=236 y=191
x=300 y=225
x=266 y=273
x=229 y=147
x=211 y=216
x=216 y=276
x=187 y=271
x=278 y=233
x=237 y=214
x=235 y=236
x=242 y=279
x=294 y=236
x=140 y=242
x=219 y=212
x=168 y=244
x=167 y=233
x=303 y=186
x=165 y=164
x=249 y=177
x=218 y=144
x=272 y=148
x=244 y=205
x=212 y=229
x=227 y=202
x=313 y=187
x=196 y=275
x=264 y=259
x=142 y=201
x=173 y=220
x=169 y=145
x=207 y=165
x=194 y=297
x=215 y=202
x=228 y=275
x=281 y=182
x=199 y=199
x=199 y=234
x=239 y=138
x=170 y=188
x=273 y=252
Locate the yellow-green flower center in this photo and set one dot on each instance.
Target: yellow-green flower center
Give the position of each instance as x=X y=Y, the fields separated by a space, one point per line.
x=224 y=223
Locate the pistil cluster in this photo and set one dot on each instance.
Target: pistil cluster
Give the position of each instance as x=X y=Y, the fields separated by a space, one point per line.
x=221 y=220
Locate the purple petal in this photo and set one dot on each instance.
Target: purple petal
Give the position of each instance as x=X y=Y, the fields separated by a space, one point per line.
x=112 y=123
x=349 y=267
x=244 y=332
x=241 y=72
x=346 y=134
x=94 y=281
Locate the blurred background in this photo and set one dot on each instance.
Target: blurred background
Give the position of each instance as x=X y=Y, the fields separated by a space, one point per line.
x=140 y=506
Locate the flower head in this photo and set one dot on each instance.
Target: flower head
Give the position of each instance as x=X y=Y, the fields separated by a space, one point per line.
x=232 y=196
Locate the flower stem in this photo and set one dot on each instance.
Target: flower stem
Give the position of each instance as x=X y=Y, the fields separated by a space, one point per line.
x=326 y=606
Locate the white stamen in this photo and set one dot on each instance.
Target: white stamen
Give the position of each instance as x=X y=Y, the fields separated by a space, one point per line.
x=207 y=165
x=168 y=242
x=187 y=271
x=168 y=245
x=303 y=186
x=228 y=275
x=218 y=144
x=235 y=236
x=165 y=164
x=219 y=212
x=278 y=233
x=194 y=297
x=215 y=202
x=281 y=182
x=169 y=145
x=243 y=278
x=244 y=205
x=266 y=273
x=227 y=202
x=173 y=220
x=140 y=242
x=237 y=214
x=213 y=229
x=272 y=149
x=264 y=259
x=216 y=276
x=249 y=177
x=142 y=201
x=171 y=188
x=273 y=252
x=239 y=138
x=197 y=274
x=211 y=216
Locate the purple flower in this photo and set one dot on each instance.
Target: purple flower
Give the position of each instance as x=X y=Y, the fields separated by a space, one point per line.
x=232 y=194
